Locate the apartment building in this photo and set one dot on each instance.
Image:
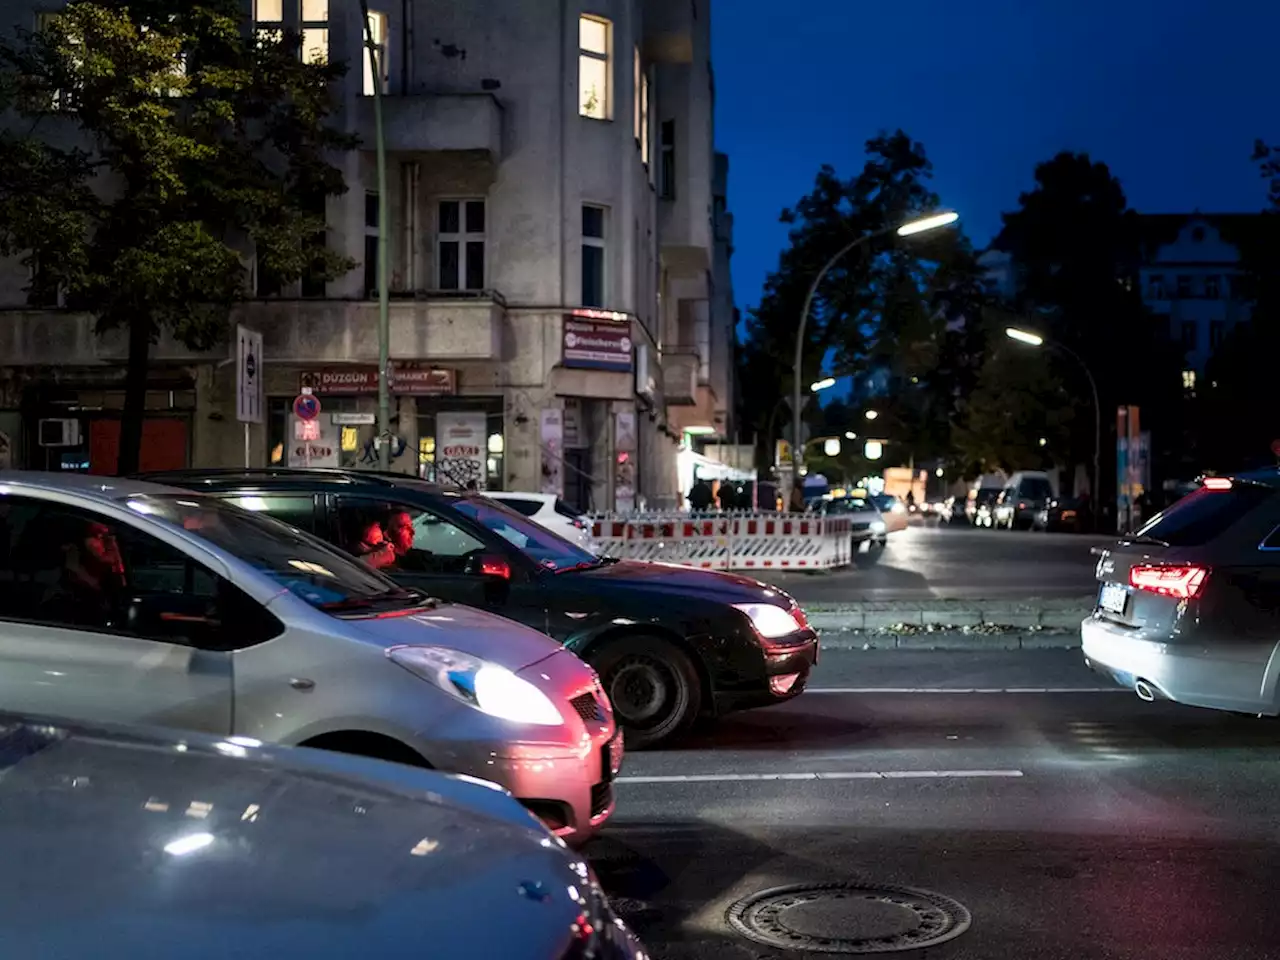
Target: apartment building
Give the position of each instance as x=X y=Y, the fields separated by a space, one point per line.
x=559 y=265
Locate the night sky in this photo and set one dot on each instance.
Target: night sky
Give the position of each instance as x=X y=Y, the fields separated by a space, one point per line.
x=1170 y=94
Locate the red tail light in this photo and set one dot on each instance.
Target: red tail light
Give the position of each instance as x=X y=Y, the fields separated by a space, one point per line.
x=1182 y=583
x=495 y=567
x=797 y=612
x=1217 y=483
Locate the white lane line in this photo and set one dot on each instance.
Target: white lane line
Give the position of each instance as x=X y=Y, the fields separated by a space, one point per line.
x=982 y=690
x=823 y=775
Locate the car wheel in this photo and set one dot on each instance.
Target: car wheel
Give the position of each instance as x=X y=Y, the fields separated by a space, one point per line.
x=654 y=688
x=869 y=559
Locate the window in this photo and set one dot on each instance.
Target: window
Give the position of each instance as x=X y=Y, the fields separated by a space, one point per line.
x=1200 y=516
x=378 y=28
x=645 y=136
x=545 y=548
x=298 y=512
x=1217 y=332
x=667 y=159
x=1184 y=286
x=594 y=39
x=1155 y=286
x=398 y=538
x=635 y=96
x=460 y=244
x=1188 y=380
x=268 y=20
x=1213 y=286
x=1190 y=338
x=593 y=250
x=315 y=31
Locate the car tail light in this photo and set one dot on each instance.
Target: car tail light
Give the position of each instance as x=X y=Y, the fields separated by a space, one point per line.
x=1217 y=483
x=1181 y=582
x=1022 y=506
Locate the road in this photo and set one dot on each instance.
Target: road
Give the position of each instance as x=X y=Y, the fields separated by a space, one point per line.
x=963 y=563
x=1070 y=824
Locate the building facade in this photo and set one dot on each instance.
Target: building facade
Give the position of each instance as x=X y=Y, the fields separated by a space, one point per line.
x=552 y=241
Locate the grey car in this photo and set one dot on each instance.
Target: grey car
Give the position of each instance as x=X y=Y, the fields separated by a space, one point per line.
x=1188 y=608
x=131 y=843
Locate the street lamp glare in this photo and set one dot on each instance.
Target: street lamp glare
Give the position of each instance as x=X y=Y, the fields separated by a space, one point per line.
x=1024 y=336
x=850 y=435
x=871 y=414
x=825 y=383
x=928 y=223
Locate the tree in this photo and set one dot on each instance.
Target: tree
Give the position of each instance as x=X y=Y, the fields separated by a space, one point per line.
x=190 y=143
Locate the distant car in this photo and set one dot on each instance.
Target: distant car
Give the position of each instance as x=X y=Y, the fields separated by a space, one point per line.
x=1187 y=607
x=892 y=510
x=980 y=506
x=123 y=601
x=1068 y=515
x=870 y=532
x=1021 y=502
x=208 y=847
x=548 y=510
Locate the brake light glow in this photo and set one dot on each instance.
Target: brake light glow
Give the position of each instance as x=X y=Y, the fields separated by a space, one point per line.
x=1181 y=582
x=1217 y=483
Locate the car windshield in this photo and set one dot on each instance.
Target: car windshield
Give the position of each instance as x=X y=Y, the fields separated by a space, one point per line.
x=548 y=550
x=849 y=505
x=1036 y=488
x=885 y=501
x=305 y=566
x=1200 y=516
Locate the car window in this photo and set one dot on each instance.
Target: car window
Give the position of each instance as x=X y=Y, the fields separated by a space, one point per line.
x=565 y=510
x=296 y=511
x=850 y=505
x=545 y=548
x=522 y=505
x=67 y=567
x=1200 y=516
x=398 y=538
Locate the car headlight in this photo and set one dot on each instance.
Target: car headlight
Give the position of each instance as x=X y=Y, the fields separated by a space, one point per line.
x=488 y=687
x=897 y=508
x=877 y=526
x=769 y=621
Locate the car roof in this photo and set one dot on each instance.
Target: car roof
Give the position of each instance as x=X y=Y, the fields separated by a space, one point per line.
x=1268 y=477
x=83 y=484
x=284 y=476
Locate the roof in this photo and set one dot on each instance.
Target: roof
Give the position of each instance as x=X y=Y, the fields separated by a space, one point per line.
x=284 y=476
x=102 y=488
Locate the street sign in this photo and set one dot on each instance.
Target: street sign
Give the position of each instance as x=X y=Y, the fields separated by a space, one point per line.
x=353 y=419
x=248 y=375
x=782 y=454
x=306 y=430
x=306 y=406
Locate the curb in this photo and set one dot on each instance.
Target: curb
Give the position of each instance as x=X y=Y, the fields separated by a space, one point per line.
x=951 y=640
x=1032 y=616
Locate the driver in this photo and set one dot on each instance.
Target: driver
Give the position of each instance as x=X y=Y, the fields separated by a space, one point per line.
x=400 y=531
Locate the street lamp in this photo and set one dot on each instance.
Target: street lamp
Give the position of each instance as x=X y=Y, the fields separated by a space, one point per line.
x=1033 y=339
x=850 y=435
x=910 y=228
x=826 y=383
x=871 y=414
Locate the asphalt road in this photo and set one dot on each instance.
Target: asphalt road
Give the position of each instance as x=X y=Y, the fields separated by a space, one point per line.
x=963 y=563
x=1070 y=824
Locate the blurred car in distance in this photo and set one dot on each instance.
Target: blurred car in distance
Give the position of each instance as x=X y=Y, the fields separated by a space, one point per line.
x=549 y=511
x=1021 y=502
x=870 y=532
x=1066 y=515
x=128 y=602
x=209 y=847
x=979 y=507
x=892 y=510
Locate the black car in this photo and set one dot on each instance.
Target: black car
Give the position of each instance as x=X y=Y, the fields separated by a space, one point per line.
x=670 y=644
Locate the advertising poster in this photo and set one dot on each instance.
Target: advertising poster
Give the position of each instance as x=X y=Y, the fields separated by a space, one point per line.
x=314 y=443
x=596 y=341
x=552 y=440
x=460 y=449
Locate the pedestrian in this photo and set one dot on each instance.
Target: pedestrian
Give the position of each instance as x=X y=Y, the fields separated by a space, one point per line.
x=700 y=497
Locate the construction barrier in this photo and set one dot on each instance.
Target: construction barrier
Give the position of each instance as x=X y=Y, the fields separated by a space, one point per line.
x=739 y=541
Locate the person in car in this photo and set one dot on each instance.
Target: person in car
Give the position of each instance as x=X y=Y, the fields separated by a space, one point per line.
x=400 y=532
x=374 y=548
x=89 y=589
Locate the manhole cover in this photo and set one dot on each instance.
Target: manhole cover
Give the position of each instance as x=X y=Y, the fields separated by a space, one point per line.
x=848 y=918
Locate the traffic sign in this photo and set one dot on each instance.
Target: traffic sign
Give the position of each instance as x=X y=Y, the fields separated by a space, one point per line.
x=306 y=406
x=248 y=375
x=306 y=430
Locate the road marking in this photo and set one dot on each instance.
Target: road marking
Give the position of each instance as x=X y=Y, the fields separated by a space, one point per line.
x=823 y=775
x=983 y=690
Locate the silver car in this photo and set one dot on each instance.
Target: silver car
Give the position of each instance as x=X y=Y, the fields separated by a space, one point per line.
x=128 y=602
x=129 y=843
x=1188 y=608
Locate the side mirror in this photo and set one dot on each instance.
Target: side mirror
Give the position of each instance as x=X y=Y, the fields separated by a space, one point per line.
x=492 y=565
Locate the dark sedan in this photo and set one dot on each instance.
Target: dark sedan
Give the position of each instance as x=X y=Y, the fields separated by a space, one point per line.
x=671 y=644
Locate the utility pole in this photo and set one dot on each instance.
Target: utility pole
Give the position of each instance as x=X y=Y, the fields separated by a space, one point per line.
x=384 y=233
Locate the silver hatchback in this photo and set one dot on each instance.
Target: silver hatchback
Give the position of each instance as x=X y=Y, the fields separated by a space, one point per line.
x=1188 y=608
x=128 y=602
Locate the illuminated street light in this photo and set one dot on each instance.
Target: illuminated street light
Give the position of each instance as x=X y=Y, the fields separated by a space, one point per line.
x=1044 y=442
x=826 y=383
x=871 y=414
x=850 y=435
x=873 y=450
x=928 y=223
x=1024 y=336
x=831 y=447
x=939 y=473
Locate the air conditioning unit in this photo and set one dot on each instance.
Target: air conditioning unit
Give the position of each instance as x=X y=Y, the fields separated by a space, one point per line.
x=59 y=433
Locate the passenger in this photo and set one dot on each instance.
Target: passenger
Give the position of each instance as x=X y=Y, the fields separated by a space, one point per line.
x=89 y=589
x=374 y=548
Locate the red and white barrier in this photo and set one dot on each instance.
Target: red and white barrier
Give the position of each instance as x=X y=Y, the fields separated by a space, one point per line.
x=759 y=541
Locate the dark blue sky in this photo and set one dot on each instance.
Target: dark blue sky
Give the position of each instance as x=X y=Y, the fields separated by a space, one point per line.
x=1170 y=94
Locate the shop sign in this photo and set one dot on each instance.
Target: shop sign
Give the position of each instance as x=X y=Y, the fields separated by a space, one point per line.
x=597 y=340
x=423 y=381
x=461 y=447
x=406 y=380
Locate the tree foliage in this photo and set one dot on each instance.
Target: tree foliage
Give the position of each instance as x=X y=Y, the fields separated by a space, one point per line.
x=160 y=143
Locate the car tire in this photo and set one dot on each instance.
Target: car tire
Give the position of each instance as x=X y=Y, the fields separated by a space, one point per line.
x=865 y=561
x=654 y=687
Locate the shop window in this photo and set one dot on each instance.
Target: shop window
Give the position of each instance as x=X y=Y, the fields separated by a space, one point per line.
x=494 y=453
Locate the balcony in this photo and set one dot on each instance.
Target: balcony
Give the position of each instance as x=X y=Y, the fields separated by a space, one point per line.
x=680 y=379
x=436 y=123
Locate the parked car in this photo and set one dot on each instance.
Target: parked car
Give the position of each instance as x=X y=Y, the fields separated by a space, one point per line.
x=670 y=643
x=892 y=510
x=870 y=532
x=1022 y=501
x=548 y=510
x=126 y=602
x=1186 y=607
x=207 y=848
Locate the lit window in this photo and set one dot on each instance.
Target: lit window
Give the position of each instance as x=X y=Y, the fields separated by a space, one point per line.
x=315 y=31
x=460 y=244
x=593 y=256
x=378 y=28
x=593 y=67
x=1188 y=379
x=268 y=20
x=644 y=119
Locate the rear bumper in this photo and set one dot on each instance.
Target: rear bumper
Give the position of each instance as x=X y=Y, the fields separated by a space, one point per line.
x=1187 y=673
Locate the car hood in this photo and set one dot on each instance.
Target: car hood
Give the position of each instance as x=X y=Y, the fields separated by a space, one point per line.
x=477 y=632
x=670 y=578
x=122 y=844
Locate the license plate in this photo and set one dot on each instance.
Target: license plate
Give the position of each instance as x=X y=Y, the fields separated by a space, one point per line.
x=1113 y=597
x=613 y=752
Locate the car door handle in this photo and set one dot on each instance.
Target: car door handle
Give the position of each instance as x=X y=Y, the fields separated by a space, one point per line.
x=302 y=683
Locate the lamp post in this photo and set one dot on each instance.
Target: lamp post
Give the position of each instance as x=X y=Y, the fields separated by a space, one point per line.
x=384 y=230
x=905 y=230
x=1032 y=339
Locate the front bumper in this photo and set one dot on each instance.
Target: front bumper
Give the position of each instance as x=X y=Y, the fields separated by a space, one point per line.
x=785 y=666
x=1197 y=675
